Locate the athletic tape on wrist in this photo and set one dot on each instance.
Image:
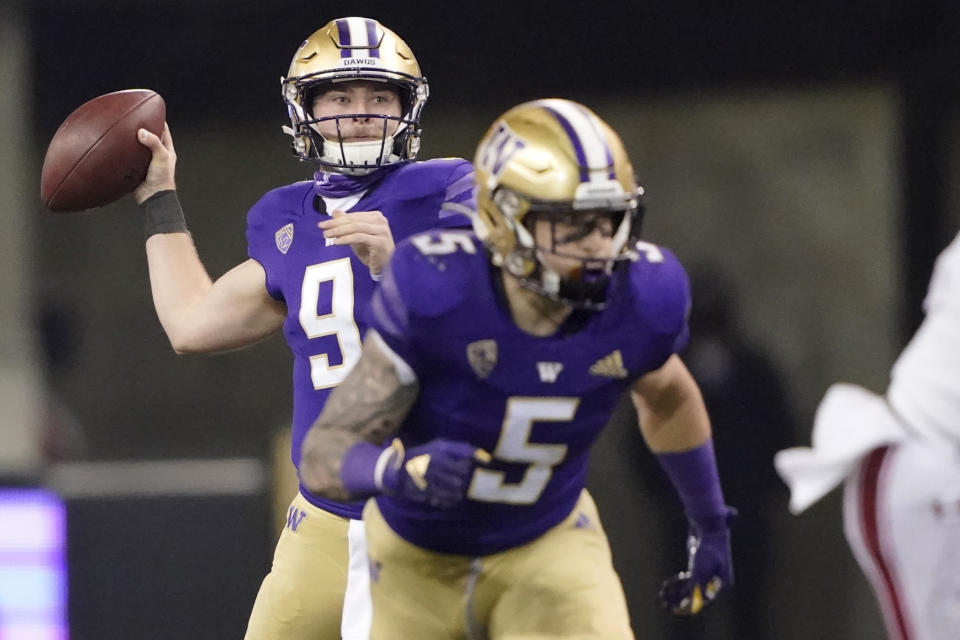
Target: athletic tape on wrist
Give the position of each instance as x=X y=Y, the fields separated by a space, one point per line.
x=163 y=214
x=391 y=456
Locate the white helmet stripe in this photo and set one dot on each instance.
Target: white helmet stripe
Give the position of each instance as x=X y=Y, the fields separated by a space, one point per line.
x=587 y=138
x=357 y=33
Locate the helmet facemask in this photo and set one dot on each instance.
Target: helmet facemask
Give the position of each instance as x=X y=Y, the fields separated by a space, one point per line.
x=584 y=280
x=399 y=136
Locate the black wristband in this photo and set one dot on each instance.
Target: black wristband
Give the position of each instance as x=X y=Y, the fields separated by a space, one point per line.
x=163 y=214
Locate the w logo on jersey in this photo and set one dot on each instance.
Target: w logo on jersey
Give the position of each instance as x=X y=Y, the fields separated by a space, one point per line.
x=294 y=518
x=549 y=371
x=498 y=149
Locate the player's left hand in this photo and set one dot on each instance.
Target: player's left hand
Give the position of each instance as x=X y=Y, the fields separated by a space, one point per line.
x=367 y=233
x=709 y=567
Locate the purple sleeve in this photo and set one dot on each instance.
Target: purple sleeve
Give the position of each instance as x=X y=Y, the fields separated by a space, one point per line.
x=261 y=244
x=358 y=469
x=415 y=290
x=389 y=311
x=459 y=199
x=661 y=290
x=693 y=474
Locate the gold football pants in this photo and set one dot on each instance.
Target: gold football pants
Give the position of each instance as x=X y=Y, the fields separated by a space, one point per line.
x=303 y=596
x=560 y=586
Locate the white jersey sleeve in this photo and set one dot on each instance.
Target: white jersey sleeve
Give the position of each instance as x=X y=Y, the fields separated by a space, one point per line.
x=925 y=381
x=850 y=422
x=922 y=401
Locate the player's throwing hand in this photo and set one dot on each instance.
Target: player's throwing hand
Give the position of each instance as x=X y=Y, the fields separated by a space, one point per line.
x=709 y=567
x=160 y=174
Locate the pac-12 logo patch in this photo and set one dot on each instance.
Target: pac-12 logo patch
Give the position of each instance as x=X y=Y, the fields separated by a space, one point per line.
x=284 y=238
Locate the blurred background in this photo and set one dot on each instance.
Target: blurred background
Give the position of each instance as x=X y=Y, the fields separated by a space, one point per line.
x=799 y=158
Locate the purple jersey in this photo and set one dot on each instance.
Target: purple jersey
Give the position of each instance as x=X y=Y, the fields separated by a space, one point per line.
x=325 y=288
x=536 y=403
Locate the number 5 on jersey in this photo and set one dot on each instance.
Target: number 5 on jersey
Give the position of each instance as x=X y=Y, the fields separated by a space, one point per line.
x=515 y=446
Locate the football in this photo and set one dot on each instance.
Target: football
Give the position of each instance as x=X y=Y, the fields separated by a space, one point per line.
x=95 y=158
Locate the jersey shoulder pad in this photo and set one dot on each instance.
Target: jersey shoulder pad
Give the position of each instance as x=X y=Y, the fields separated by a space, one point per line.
x=288 y=199
x=660 y=289
x=434 y=271
x=427 y=177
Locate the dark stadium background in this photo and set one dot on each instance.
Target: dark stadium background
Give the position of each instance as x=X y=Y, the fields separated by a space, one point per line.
x=189 y=566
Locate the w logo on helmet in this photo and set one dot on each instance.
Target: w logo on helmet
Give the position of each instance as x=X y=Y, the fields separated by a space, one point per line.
x=498 y=148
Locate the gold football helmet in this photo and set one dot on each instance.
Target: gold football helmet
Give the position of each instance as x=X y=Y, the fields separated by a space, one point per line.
x=555 y=160
x=354 y=49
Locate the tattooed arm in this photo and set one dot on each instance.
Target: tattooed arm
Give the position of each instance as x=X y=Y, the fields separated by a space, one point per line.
x=368 y=406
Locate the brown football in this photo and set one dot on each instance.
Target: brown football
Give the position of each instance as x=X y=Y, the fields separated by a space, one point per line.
x=94 y=157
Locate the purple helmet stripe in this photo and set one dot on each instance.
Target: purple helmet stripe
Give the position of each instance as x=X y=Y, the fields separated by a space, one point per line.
x=372 y=39
x=574 y=140
x=343 y=29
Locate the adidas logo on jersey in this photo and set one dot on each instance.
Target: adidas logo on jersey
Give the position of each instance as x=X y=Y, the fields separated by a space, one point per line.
x=549 y=371
x=609 y=366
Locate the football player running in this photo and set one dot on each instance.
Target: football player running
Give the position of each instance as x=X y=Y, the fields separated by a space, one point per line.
x=898 y=457
x=493 y=361
x=316 y=248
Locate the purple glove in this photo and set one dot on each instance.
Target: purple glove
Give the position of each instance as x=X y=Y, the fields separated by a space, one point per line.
x=709 y=566
x=437 y=473
x=693 y=474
